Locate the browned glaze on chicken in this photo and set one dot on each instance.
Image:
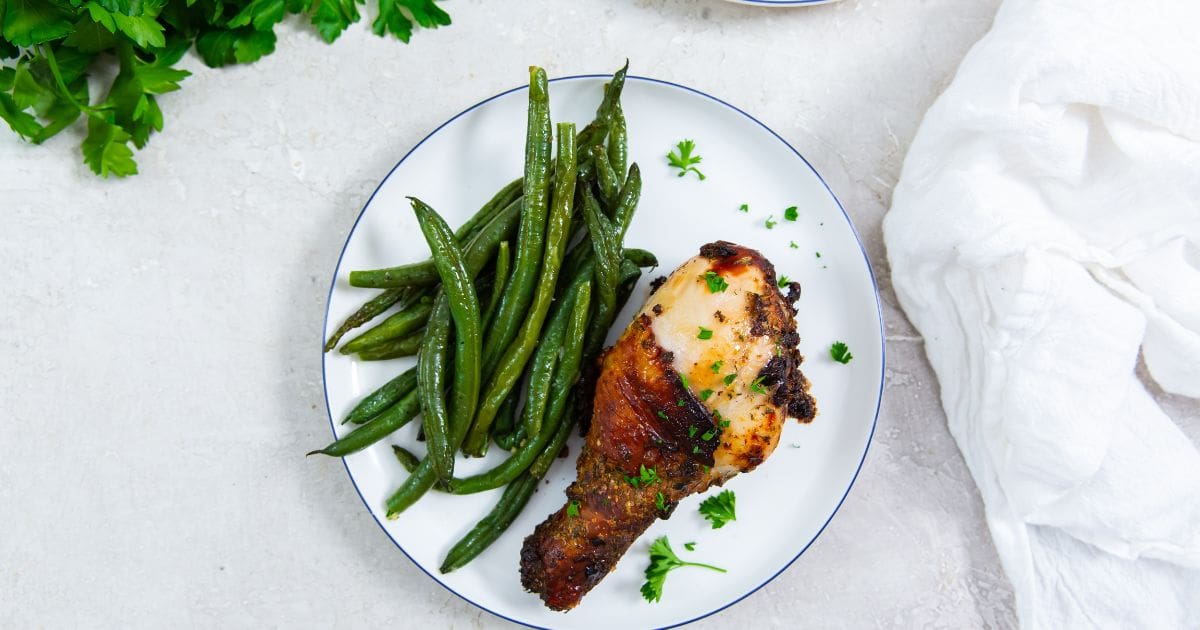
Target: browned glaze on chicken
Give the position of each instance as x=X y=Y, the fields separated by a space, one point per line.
x=651 y=410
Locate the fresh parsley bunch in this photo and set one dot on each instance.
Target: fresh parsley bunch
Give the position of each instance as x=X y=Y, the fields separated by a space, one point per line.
x=49 y=49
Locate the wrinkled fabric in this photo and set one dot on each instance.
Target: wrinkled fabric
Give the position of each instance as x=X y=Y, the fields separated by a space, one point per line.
x=1044 y=237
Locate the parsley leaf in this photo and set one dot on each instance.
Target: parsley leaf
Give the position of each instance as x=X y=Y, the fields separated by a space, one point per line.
x=716 y=284
x=793 y=245
x=756 y=385
x=684 y=160
x=704 y=394
x=662 y=414
x=705 y=333
x=573 y=509
x=729 y=378
x=744 y=208
x=660 y=502
x=720 y=509
x=716 y=367
x=784 y=281
x=663 y=560
x=770 y=222
x=105 y=150
x=692 y=431
x=818 y=254
x=690 y=546
x=791 y=214
x=840 y=352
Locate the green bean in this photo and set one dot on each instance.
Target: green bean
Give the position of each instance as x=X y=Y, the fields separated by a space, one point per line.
x=640 y=257
x=598 y=129
x=498 y=282
x=514 y=301
x=406 y=458
x=386 y=396
x=394 y=327
x=608 y=255
x=364 y=314
x=380 y=427
x=502 y=428
x=478 y=251
x=431 y=376
x=393 y=349
x=564 y=378
x=541 y=464
x=515 y=497
x=628 y=200
x=618 y=139
x=459 y=290
x=605 y=177
x=413 y=488
x=541 y=370
x=512 y=364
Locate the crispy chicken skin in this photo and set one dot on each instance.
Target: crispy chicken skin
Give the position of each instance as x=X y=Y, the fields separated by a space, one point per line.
x=653 y=408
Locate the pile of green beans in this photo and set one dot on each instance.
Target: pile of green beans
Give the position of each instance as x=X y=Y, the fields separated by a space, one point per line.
x=547 y=251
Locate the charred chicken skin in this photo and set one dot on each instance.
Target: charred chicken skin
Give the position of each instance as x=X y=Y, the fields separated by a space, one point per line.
x=695 y=391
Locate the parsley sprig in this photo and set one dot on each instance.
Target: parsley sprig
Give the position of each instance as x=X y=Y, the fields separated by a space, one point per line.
x=58 y=45
x=720 y=509
x=645 y=478
x=663 y=560
x=684 y=160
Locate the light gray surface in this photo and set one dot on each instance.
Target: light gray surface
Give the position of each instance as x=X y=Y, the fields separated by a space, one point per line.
x=163 y=378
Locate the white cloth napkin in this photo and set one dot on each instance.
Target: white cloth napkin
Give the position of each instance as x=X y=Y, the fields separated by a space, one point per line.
x=1045 y=227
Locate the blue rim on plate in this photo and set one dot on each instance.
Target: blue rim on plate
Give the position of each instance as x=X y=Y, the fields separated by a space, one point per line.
x=866 y=260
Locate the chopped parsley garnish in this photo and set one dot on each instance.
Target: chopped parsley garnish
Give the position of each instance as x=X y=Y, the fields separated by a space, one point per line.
x=744 y=208
x=690 y=546
x=692 y=431
x=791 y=214
x=681 y=403
x=840 y=352
x=662 y=414
x=716 y=367
x=646 y=477
x=708 y=435
x=715 y=282
x=784 y=281
x=573 y=509
x=770 y=222
x=684 y=379
x=724 y=424
x=720 y=509
x=660 y=502
x=729 y=378
x=662 y=561
x=756 y=385
x=704 y=394
x=704 y=333
x=684 y=160
x=695 y=450
x=818 y=254
x=793 y=245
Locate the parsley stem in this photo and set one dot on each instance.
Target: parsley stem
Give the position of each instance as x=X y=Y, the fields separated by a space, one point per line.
x=706 y=566
x=48 y=51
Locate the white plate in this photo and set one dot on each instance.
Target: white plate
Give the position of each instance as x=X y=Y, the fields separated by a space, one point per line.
x=783 y=505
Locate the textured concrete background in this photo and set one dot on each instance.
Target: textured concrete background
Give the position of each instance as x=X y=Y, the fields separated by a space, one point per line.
x=162 y=379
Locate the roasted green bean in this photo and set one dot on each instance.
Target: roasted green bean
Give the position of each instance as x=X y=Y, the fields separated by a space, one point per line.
x=459 y=290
